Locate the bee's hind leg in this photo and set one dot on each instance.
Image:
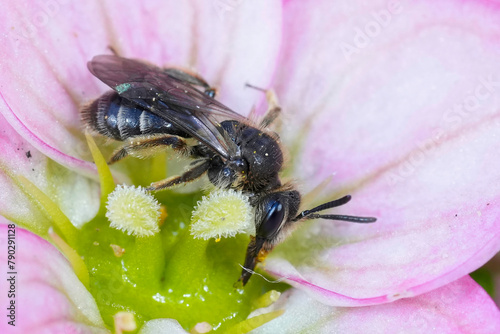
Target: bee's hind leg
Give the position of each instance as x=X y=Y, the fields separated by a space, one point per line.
x=188 y=176
x=273 y=110
x=145 y=146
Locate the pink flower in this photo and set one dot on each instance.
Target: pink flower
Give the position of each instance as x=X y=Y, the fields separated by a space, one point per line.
x=397 y=102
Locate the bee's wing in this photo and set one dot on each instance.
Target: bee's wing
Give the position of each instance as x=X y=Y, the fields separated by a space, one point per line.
x=174 y=100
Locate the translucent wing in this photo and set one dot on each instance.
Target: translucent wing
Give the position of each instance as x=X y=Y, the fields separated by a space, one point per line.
x=176 y=101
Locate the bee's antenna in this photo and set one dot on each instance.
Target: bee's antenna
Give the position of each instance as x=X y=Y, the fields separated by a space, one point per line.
x=329 y=205
x=255 y=87
x=310 y=214
x=324 y=206
x=353 y=219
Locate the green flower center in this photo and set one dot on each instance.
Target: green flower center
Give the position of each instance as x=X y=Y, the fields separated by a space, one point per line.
x=169 y=274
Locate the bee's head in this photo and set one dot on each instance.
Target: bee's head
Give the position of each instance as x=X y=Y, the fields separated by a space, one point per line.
x=275 y=213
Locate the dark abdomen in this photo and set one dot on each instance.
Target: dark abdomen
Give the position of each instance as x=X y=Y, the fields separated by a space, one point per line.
x=117 y=118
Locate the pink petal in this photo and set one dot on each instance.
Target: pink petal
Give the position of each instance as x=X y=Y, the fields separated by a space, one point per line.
x=49 y=298
x=76 y=195
x=397 y=92
x=230 y=43
x=42 y=81
x=437 y=207
x=43 y=74
x=460 y=307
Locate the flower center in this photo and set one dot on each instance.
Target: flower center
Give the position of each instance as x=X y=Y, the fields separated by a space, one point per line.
x=170 y=274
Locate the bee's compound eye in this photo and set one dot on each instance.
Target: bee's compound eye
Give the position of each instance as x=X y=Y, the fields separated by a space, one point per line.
x=272 y=221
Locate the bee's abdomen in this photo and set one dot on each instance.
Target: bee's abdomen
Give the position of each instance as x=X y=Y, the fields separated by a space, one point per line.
x=117 y=118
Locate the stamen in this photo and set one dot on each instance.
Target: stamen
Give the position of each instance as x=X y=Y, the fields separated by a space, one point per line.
x=73 y=257
x=266 y=299
x=124 y=321
x=315 y=193
x=223 y=213
x=201 y=328
x=250 y=324
x=133 y=210
x=105 y=176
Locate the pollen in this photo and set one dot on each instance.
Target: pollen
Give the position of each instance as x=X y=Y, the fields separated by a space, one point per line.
x=133 y=210
x=222 y=214
x=117 y=250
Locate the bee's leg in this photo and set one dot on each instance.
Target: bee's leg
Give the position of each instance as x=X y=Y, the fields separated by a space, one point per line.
x=273 y=109
x=113 y=50
x=188 y=176
x=143 y=147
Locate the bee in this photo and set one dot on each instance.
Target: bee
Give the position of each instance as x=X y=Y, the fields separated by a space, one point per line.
x=153 y=107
